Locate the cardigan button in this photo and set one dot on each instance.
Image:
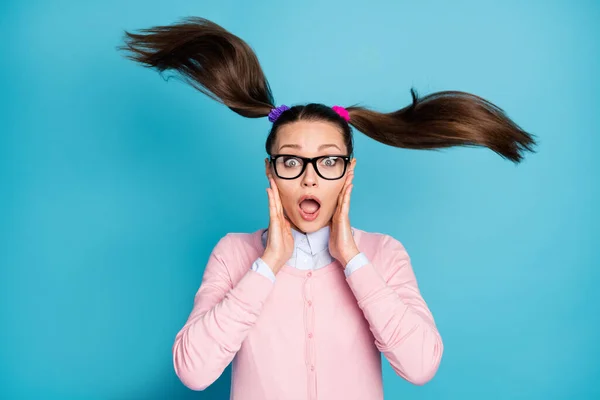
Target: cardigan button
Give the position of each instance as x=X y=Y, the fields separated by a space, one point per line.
x=309 y=274
x=309 y=303
x=310 y=335
x=312 y=367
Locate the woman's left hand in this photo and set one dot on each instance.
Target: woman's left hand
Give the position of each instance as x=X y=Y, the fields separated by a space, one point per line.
x=341 y=242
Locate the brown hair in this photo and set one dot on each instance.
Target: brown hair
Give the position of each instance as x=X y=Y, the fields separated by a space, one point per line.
x=224 y=67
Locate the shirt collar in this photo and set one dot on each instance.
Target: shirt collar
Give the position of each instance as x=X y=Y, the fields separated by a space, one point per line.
x=316 y=241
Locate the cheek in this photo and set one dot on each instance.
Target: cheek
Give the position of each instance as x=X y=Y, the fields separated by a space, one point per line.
x=331 y=198
x=287 y=199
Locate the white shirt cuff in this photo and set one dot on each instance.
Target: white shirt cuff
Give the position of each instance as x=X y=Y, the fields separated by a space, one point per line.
x=262 y=268
x=355 y=263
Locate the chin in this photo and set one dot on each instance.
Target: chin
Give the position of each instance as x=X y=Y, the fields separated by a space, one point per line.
x=310 y=226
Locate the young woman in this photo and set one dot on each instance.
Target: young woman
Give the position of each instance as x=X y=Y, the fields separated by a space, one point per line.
x=306 y=307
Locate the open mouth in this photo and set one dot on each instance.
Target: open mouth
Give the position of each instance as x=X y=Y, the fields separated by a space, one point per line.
x=309 y=207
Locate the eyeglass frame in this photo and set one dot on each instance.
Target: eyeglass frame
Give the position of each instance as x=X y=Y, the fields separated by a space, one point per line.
x=310 y=160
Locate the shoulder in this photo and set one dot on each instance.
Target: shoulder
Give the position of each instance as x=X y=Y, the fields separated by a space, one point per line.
x=240 y=238
x=381 y=247
x=379 y=240
x=237 y=251
x=245 y=240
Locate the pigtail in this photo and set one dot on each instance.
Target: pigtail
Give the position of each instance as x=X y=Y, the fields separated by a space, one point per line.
x=211 y=59
x=445 y=119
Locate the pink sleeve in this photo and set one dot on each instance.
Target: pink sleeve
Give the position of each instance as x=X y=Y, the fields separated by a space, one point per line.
x=401 y=323
x=220 y=320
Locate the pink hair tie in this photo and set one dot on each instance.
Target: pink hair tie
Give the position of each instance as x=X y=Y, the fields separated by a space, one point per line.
x=342 y=112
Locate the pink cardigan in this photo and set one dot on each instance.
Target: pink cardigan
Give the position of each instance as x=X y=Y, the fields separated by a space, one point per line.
x=311 y=334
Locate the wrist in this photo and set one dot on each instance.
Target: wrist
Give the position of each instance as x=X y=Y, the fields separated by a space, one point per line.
x=349 y=256
x=272 y=262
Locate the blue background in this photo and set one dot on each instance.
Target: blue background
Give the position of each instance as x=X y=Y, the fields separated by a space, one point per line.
x=116 y=184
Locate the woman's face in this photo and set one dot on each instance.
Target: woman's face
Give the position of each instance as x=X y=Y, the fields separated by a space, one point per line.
x=308 y=139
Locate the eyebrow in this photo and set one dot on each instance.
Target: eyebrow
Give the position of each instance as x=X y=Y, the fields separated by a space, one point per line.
x=321 y=147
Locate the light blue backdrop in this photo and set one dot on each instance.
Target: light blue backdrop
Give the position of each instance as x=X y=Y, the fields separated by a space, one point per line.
x=116 y=184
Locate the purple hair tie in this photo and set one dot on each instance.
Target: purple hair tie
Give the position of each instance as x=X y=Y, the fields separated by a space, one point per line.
x=276 y=112
x=342 y=112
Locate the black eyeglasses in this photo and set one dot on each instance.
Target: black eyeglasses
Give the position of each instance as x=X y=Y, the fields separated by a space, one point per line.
x=289 y=166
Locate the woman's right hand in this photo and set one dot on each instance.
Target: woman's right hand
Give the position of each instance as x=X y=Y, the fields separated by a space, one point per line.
x=280 y=241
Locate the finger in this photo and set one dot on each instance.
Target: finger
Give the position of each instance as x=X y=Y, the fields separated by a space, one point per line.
x=342 y=194
x=351 y=172
x=276 y=197
x=272 y=209
x=340 y=197
x=350 y=178
x=270 y=202
x=343 y=200
x=353 y=164
x=346 y=204
x=271 y=178
x=280 y=207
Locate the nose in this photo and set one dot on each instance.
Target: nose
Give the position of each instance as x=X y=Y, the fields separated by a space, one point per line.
x=309 y=177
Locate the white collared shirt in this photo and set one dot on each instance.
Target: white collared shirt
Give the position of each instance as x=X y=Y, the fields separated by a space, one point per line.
x=311 y=251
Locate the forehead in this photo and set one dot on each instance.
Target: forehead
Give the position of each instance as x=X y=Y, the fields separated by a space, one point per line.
x=309 y=137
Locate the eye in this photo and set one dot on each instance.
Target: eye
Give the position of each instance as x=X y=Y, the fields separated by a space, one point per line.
x=291 y=162
x=330 y=161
